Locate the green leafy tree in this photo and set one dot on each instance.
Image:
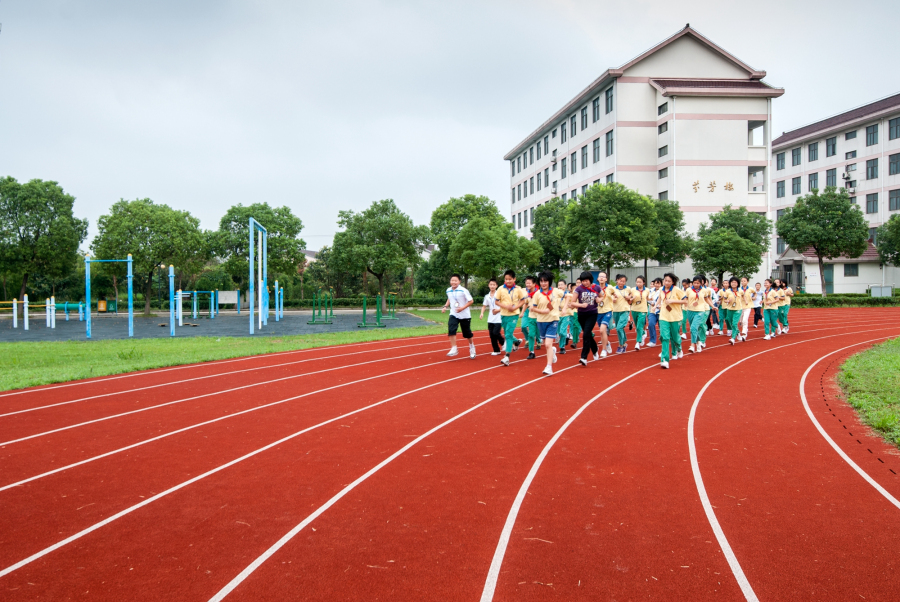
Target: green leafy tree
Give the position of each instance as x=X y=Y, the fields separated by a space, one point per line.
x=673 y=243
x=153 y=234
x=723 y=250
x=448 y=220
x=611 y=225
x=549 y=231
x=231 y=241
x=39 y=234
x=889 y=241
x=378 y=240
x=484 y=248
x=750 y=226
x=433 y=275
x=826 y=222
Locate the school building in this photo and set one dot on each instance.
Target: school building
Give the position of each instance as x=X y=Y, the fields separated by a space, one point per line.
x=685 y=120
x=858 y=150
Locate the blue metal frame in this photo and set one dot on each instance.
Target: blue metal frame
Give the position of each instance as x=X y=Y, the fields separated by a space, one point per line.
x=87 y=291
x=171 y=300
x=264 y=292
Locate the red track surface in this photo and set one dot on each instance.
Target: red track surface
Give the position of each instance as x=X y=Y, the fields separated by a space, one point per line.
x=613 y=510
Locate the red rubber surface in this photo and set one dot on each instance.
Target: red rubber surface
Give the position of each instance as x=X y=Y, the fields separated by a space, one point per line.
x=613 y=512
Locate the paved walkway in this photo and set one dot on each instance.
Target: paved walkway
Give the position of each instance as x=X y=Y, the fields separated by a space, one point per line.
x=225 y=325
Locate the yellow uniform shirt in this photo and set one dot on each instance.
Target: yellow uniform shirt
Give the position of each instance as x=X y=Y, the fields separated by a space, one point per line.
x=540 y=301
x=781 y=297
x=606 y=302
x=567 y=310
x=509 y=297
x=697 y=299
x=670 y=315
x=639 y=300
x=621 y=303
x=747 y=295
x=732 y=301
x=771 y=301
x=787 y=298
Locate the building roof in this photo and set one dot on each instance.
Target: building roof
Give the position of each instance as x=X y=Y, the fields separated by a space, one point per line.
x=809 y=256
x=607 y=76
x=715 y=87
x=843 y=119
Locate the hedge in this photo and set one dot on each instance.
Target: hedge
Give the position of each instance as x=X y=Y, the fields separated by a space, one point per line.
x=844 y=301
x=357 y=302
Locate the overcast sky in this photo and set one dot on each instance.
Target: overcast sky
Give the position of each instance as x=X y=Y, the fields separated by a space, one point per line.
x=202 y=104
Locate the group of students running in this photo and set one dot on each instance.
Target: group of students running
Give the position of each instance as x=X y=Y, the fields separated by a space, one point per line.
x=558 y=315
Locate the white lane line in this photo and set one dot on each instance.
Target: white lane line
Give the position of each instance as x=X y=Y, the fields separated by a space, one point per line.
x=321 y=509
x=490 y=584
x=830 y=441
x=733 y=563
x=208 y=376
x=211 y=394
x=222 y=467
x=154 y=371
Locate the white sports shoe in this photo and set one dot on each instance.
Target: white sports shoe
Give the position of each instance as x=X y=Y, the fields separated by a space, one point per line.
x=651 y=344
x=609 y=347
x=767 y=338
x=555 y=358
x=582 y=361
x=495 y=353
x=664 y=365
x=505 y=360
x=548 y=371
x=603 y=353
x=452 y=352
x=778 y=331
x=699 y=348
x=731 y=341
x=684 y=337
x=680 y=354
x=637 y=346
x=644 y=338
x=472 y=352
x=691 y=349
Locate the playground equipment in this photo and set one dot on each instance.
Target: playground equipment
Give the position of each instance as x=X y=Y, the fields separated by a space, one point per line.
x=87 y=292
x=391 y=301
x=14 y=305
x=262 y=289
x=377 y=323
x=228 y=298
x=212 y=309
x=279 y=302
x=323 y=307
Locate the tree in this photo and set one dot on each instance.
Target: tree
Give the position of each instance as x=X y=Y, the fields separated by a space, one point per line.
x=723 y=250
x=673 y=243
x=153 y=234
x=485 y=248
x=549 y=231
x=889 y=241
x=750 y=226
x=284 y=247
x=611 y=225
x=448 y=220
x=828 y=223
x=39 y=234
x=377 y=241
x=433 y=275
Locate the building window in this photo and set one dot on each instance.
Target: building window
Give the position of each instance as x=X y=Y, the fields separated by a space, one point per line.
x=850 y=183
x=663 y=128
x=871 y=169
x=596 y=182
x=779 y=161
x=596 y=150
x=795 y=157
x=554 y=186
x=872 y=203
x=609 y=100
x=779 y=214
x=831 y=177
x=518 y=164
x=609 y=143
x=531 y=155
x=512 y=169
x=525 y=189
x=519 y=188
x=563 y=169
x=812 y=152
x=779 y=189
x=662 y=151
x=813 y=181
x=609 y=178
x=573 y=122
x=831 y=146
x=894 y=200
x=547 y=144
x=526 y=217
x=531 y=185
x=564 y=196
x=850 y=155
x=894 y=165
x=851 y=269
x=779 y=245
x=850 y=135
x=574 y=194
x=513 y=195
x=583 y=119
x=596 y=109
x=894 y=128
x=584 y=159
x=664 y=195
x=573 y=164
x=539 y=150
x=873 y=235
x=872 y=135
x=849 y=168
x=520 y=219
x=554 y=167
x=663 y=173
x=539 y=180
x=795 y=185
x=562 y=132
x=663 y=108
x=553 y=133
x=547 y=177
x=532 y=215
x=583 y=189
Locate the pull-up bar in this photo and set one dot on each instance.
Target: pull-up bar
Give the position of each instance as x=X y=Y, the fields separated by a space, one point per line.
x=263 y=274
x=87 y=291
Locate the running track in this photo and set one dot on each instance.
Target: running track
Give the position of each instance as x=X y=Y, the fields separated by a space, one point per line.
x=386 y=471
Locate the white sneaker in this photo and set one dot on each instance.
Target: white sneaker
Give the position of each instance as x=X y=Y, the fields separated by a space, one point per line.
x=767 y=338
x=664 y=365
x=505 y=360
x=778 y=331
x=699 y=348
x=684 y=337
x=597 y=357
x=603 y=353
x=548 y=371
x=495 y=353
x=582 y=361
x=660 y=356
x=472 y=352
x=651 y=344
x=680 y=354
x=691 y=349
x=644 y=338
x=555 y=358
x=731 y=341
x=453 y=352
x=637 y=346
x=702 y=344
x=609 y=347
x=787 y=329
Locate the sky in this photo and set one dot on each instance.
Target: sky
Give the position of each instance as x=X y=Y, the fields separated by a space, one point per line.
x=324 y=106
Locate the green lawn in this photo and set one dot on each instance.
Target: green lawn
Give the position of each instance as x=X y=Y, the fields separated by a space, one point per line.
x=871 y=382
x=435 y=315
x=30 y=364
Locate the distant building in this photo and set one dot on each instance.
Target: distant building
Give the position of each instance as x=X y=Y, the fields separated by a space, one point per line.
x=685 y=121
x=311 y=256
x=858 y=150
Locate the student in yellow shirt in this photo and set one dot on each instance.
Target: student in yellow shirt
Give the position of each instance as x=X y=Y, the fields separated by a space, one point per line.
x=545 y=305
x=770 y=309
x=734 y=301
x=747 y=294
x=566 y=316
x=686 y=313
x=509 y=298
x=606 y=299
x=784 y=293
x=671 y=301
x=620 y=312
x=697 y=308
x=638 y=299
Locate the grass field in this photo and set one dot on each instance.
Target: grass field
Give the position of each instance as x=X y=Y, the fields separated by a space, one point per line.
x=871 y=381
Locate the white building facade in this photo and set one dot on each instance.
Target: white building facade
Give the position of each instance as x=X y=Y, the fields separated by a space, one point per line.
x=685 y=121
x=858 y=150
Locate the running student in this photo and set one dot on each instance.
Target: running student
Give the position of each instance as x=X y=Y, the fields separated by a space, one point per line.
x=713 y=321
x=586 y=302
x=545 y=303
x=529 y=324
x=653 y=313
x=574 y=325
x=671 y=300
x=733 y=302
x=747 y=294
x=770 y=310
x=494 y=321
x=785 y=294
x=458 y=300
x=697 y=308
x=685 y=327
x=757 y=305
x=620 y=313
x=638 y=299
x=566 y=315
x=605 y=300
x=509 y=298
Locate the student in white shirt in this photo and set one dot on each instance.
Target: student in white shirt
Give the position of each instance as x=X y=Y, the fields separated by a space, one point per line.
x=458 y=300
x=495 y=329
x=757 y=304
